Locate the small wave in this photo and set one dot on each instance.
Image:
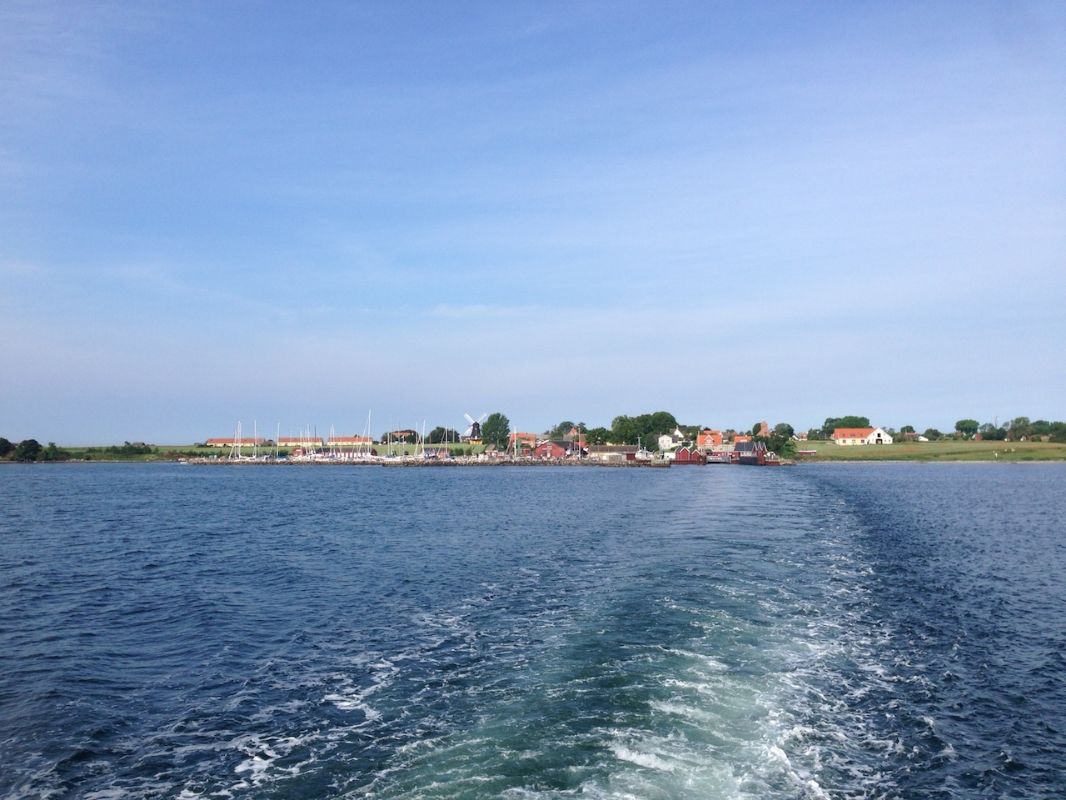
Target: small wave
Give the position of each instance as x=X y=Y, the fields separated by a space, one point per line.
x=646 y=760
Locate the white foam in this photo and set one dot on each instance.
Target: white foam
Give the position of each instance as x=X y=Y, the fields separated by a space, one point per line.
x=261 y=754
x=948 y=752
x=647 y=760
x=690 y=713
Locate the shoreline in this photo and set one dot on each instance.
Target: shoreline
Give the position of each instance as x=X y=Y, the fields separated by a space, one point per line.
x=569 y=464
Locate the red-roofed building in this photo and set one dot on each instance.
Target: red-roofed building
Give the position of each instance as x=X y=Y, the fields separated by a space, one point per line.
x=686 y=455
x=707 y=438
x=549 y=449
x=576 y=435
x=524 y=439
x=349 y=441
x=304 y=442
x=854 y=436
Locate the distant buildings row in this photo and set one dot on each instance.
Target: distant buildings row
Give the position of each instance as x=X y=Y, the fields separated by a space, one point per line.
x=288 y=442
x=707 y=441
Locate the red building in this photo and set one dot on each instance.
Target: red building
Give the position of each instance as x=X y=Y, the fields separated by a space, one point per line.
x=230 y=441
x=551 y=449
x=685 y=455
x=523 y=439
x=303 y=442
x=707 y=438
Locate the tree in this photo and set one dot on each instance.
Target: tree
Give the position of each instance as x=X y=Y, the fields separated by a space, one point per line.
x=658 y=423
x=1057 y=431
x=560 y=430
x=991 y=433
x=832 y=423
x=624 y=430
x=442 y=434
x=781 y=444
x=932 y=434
x=907 y=429
x=1020 y=428
x=784 y=430
x=967 y=427
x=1038 y=427
x=495 y=430
x=27 y=450
x=598 y=436
x=757 y=430
x=645 y=427
x=6 y=447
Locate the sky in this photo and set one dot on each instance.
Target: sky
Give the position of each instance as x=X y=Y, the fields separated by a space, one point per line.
x=297 y=214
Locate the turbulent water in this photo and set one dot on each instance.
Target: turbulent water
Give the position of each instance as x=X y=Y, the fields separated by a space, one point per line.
x=851 y=631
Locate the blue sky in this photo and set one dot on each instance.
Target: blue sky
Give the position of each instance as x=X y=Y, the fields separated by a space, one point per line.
x=214 y=212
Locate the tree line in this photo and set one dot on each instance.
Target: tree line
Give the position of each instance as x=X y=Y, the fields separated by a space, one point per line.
x=1016 y=430
x=29 y=450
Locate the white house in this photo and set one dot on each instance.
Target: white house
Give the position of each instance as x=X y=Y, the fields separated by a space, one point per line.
x=669 y=441
x=850 y=436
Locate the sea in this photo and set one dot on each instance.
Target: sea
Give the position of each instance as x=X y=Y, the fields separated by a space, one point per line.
x=821 y=631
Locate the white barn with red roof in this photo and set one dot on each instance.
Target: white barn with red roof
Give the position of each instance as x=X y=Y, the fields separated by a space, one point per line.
x=852 y=436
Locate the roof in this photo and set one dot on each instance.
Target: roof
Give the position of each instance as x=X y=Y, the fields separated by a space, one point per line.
x=555 y=442
x=852 y=433
x=750 y=447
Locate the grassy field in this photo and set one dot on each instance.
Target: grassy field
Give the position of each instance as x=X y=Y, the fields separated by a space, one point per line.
x=945 y=450
x=163 y=452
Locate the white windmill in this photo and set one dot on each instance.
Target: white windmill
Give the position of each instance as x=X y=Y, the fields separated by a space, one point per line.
x=473 y=433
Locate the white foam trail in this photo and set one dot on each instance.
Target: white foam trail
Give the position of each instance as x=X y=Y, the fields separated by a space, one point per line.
x=647 y=760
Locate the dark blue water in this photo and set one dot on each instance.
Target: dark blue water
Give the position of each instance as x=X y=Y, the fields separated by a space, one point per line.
x=852 y=631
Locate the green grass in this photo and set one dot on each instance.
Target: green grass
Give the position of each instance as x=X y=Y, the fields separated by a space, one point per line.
x=944 y=450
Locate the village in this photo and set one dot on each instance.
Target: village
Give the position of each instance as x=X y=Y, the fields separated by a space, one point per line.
x=763 y=446
x=646 y=440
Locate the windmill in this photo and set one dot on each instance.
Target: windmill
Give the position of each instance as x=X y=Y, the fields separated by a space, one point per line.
x=473 y=433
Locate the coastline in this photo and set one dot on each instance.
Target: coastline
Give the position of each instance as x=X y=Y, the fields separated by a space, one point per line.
x=800 y=462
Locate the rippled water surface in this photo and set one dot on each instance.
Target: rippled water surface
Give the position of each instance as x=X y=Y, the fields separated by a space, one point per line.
x=842 y=631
